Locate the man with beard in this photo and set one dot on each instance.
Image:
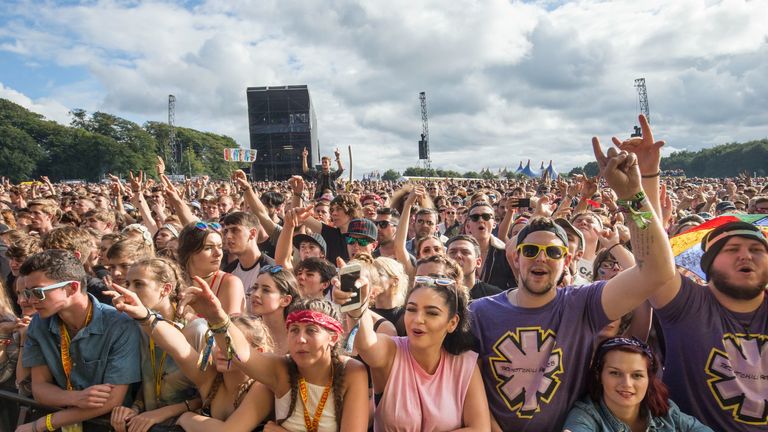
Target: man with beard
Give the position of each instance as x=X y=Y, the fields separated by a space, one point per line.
x=717 y=334
x=535 y=342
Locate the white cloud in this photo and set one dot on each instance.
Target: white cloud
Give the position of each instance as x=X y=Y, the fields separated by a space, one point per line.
x=49 y=108
x=505 y=81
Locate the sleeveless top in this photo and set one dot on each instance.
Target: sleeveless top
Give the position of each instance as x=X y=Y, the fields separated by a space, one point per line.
x=296 y=421
x=409 y=401
x=215 y=284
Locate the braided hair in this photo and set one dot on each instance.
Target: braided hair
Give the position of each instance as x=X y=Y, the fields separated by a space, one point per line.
x=337 y=366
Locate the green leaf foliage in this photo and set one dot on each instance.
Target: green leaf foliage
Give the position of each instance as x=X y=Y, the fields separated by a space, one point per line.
x=101 y=143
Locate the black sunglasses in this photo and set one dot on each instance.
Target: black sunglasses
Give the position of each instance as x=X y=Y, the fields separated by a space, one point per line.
x=384 y=224
x=476 y=217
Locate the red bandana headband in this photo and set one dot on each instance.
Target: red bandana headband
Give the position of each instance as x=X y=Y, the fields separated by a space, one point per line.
x=307 y=316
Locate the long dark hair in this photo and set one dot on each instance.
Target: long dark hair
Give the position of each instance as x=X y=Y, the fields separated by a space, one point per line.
x=656 y=399
x=456 y=298
x=191 y=241
x=338 y=366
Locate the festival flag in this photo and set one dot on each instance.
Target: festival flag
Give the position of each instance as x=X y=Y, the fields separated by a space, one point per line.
x=687 y=246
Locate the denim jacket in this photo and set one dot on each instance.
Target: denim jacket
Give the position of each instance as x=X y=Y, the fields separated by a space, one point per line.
x=587 y=416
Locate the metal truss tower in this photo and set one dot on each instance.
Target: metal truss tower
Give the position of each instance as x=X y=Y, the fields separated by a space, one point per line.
x=424 y=142
x=173 y=145
x=642 y=94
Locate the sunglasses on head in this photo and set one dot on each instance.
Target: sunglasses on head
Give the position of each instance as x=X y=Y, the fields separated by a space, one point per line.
x=271 y=268
x=39 y=293
x=204 y=226
x=476 y=217
x=438 y=281
x=359 y=240
x=532 y=250
x=384 y=224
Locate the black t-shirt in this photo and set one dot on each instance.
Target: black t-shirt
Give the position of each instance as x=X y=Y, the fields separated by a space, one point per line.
x=335 y=244
x=322 y=180
x=395 y=316
x=482 y=289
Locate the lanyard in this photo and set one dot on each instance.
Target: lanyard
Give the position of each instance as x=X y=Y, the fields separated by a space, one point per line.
x=66 y=359
x=157 y=374
x=313 y=424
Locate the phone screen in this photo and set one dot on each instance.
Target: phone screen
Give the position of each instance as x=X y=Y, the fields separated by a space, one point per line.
x=348 y=285
x=524 y=203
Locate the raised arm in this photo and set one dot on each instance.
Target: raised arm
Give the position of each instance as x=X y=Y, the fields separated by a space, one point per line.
x=255 y=205
x=339 y=165
x=179 y=206
x=137 y=186
x=648 y=154
x=169 y=338
x=653 y=255
x=401 y=235
x=304 y=165
x=268 y=369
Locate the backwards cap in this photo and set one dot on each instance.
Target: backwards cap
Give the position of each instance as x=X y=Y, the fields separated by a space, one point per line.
x=714 y=241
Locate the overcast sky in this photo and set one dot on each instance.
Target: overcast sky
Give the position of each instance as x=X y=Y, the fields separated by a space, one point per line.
x=505 y=81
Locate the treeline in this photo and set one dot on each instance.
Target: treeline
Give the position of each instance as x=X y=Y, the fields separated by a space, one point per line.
x=726 y=160
x=100 y=143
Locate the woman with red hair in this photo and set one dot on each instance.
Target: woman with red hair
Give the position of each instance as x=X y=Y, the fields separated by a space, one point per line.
x=625 y=394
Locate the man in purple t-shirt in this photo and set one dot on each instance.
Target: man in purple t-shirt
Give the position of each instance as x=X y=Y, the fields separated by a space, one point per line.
x=716 y=363
x=535 y=342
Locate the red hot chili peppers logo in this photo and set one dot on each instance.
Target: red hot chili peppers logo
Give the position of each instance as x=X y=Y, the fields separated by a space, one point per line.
x=739 y=379
x=527 y=369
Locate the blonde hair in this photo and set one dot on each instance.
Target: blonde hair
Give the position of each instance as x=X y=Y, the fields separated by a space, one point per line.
x=395 y=271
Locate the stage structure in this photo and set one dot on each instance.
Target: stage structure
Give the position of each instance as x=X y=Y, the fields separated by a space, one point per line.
x=642 y=100
x=281 y=122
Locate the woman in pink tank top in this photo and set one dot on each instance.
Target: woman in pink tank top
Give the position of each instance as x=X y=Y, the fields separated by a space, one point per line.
x=428 y=380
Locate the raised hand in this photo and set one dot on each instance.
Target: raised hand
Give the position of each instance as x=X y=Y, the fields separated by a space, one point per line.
x=647 y=150
x=160 y=166
x=136 y=182
x=305 y=153
x=127 y=301
x=620 y=170
x=297 y=184
x=337 y=153
x=203 y=301
x=241 y=179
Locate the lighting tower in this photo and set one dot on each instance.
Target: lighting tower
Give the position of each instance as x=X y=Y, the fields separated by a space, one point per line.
x=175 y=159
x=424 y=142
x=642 y=94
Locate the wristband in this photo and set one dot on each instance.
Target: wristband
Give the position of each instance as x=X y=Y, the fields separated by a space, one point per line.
x=220 y=327
x=633 y=206
x=656 y=174
x=146 y=318
x=186 y=403
x=49 y=423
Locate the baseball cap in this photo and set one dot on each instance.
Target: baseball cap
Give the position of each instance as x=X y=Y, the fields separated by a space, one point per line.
x=298 y=239
x=362 y=227
x=536 y=225
x=569 y=228
x=724 y=206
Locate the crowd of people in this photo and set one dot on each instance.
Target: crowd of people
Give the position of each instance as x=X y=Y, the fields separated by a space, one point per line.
x=544 y=304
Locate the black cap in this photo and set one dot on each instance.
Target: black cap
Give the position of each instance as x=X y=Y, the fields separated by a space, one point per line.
x=533 y=227
x=725 y=206
x=714 y=241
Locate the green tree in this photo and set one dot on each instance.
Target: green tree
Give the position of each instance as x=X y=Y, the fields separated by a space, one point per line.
x=19 y=153
x=390 y=175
